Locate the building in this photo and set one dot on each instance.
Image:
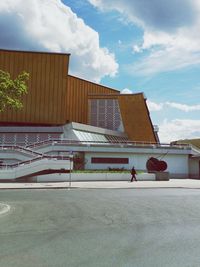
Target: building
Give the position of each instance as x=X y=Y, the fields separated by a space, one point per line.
x=56 y=98
x=64 y=114
x=194 y=158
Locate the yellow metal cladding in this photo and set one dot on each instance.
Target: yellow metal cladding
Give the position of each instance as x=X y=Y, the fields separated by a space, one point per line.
x=45 y=102
x=135 y=116
x=136 y=119
x=54 y=97
x=77 y=97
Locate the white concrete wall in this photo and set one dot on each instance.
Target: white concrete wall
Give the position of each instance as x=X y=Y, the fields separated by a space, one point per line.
x=40 y=165
x=95 y=177
x=177 y=159
x=56 y=177
x=92 y=166
x=194 y=167
x=14 y=155
x=177 y=164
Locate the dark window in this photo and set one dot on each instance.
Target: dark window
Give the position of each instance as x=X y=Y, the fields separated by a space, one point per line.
x=110 y=160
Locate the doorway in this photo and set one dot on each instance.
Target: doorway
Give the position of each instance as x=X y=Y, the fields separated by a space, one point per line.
x=199 y=169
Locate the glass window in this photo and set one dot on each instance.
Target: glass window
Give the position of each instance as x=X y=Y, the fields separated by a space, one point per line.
x=105 y=113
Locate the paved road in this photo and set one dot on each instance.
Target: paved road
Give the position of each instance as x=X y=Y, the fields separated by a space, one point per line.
x=172 y=183
x=100 y=227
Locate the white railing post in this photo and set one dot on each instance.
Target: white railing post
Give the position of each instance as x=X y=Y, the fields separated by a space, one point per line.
x=70 y=168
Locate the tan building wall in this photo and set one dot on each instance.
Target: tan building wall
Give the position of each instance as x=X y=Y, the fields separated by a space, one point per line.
x=45 y=102
x=54 y=97
x=135 y=116
x=77 y=97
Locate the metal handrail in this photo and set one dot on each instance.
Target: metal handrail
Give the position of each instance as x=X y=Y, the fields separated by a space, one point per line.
x=20 y=149
x=27 y=148
x=52 y=142
x=128 y=143
x=26 y=162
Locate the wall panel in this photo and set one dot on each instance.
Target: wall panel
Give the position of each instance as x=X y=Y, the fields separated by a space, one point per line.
x=54 y=97
x=78 y=91
x=47 y=87
x=135 y=117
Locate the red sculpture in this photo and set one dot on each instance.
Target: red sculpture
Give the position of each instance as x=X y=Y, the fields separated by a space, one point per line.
x=155 y=165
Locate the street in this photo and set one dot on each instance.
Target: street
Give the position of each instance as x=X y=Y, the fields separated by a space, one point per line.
x=100 y=227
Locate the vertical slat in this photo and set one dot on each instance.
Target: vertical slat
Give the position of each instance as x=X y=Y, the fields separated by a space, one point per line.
x=52 y=89
x=78 y=90
x=47 y=86
x=27 y=111
x=33 y=76
x=135 y=118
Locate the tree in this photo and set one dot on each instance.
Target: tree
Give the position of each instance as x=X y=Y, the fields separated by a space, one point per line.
x=11 y=91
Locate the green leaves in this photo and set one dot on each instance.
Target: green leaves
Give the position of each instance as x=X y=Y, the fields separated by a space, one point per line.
x=11 y=91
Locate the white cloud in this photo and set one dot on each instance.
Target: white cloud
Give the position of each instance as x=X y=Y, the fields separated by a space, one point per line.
x=137 y=49
x=172 y=130
x=126 y=91
x=158 y=14
x=179 y=129
x=170 y=32
x=152 y=106
x=168 y=52
x=50 y=25
x=183 y=107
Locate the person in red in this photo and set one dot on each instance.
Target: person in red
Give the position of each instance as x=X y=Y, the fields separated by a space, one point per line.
x=133 y=173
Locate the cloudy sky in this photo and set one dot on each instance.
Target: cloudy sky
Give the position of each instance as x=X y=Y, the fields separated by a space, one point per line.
x=130 y=45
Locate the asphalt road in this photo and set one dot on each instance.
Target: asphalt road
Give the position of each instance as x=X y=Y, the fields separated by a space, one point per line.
x=100 y=228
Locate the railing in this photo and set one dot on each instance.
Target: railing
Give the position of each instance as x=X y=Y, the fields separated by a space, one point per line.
x=110 y=143
x=27 y=162
x=66 y=142
x=19 y=149
x=196 y=149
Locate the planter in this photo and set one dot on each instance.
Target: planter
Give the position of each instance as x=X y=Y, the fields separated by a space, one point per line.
x=95 y=176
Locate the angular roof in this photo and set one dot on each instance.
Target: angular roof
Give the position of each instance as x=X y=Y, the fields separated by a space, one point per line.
x=194 y=142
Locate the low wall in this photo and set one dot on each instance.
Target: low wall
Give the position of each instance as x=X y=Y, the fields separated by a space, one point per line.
x=162 y=176
x=95 y=177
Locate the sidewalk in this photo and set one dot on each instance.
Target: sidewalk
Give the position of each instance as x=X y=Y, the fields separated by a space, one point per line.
x=174 y=183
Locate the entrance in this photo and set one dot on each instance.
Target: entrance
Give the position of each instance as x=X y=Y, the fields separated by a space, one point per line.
x=199 y=169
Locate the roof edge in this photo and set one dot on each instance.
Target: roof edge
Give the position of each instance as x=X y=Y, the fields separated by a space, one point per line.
x=94 y=129
x=32 y=51
x=93 y=83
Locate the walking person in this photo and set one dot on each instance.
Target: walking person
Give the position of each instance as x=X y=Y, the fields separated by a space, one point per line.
x=133 y=173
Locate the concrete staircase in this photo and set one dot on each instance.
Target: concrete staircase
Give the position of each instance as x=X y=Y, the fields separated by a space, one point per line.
x=38 y=164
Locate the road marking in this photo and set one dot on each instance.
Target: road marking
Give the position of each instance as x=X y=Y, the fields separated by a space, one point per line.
x=4 y=208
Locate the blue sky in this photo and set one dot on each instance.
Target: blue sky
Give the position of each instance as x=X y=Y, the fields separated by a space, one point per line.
x=133 y=46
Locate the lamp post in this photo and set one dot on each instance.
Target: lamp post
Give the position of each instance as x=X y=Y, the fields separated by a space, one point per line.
x=70 y=168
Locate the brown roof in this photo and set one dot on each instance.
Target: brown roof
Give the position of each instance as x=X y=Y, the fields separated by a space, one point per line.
x=30 y=51
x=194 y=142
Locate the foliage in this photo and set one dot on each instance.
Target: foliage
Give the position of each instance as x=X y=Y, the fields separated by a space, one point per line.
x=98 y=171
x=79 y=161
x=105 y=171
x=11 y=91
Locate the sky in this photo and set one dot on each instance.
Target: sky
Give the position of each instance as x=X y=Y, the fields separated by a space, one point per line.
x=129 y=45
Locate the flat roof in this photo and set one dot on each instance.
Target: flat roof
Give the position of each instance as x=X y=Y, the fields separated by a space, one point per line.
x=134 y=94
x=93 y=83
x=31 y=129
x=94 y=129
x=32 y=51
